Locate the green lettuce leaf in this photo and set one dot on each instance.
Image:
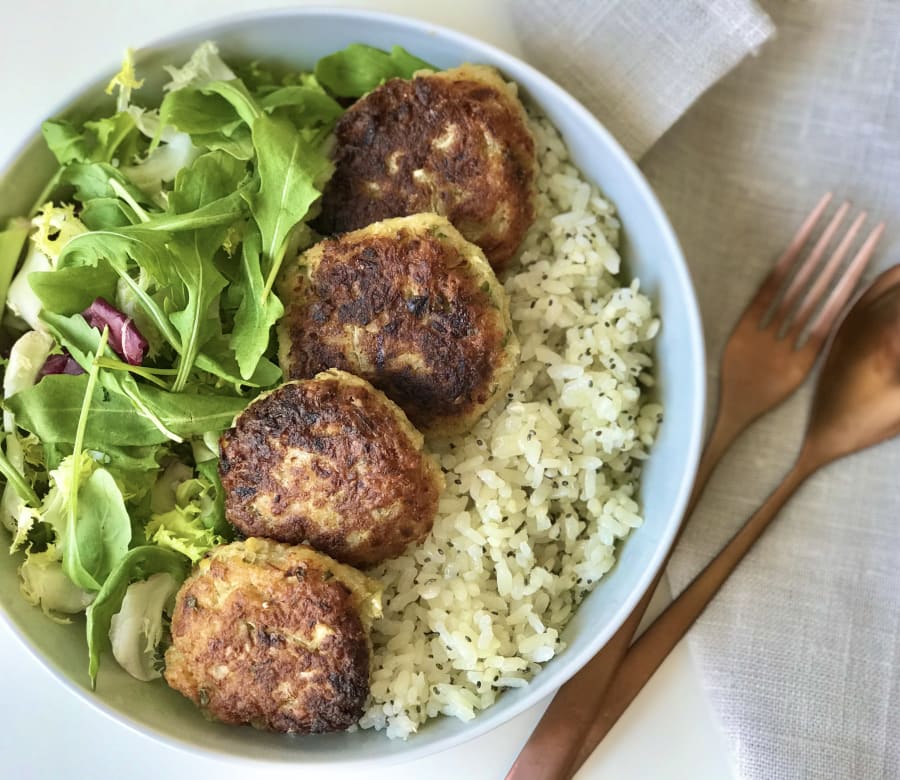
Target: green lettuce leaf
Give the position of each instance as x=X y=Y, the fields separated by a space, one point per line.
x=305 y=106
x=199 y=113
x=136 y=630
x=101 y=213
x=91 y=180
x=257 y=312
x=292 y=173
x=66 y=141
x=358 y=69
x=190 y=526
x=100 y=141
x=45 y=584
x=204 y=65
x=97 y=535
x=72 y=290
x=138 y=563
x=12 y=241
x=50 y=411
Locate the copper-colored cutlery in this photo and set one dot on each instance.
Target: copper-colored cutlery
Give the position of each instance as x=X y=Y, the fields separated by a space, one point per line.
x=768 y=356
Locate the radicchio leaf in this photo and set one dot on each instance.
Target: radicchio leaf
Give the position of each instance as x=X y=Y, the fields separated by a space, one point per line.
x=124 y=337
x=62 y=363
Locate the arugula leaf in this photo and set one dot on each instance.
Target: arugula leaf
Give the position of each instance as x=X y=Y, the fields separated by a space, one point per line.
x=196 y=188
x=147 y=248
x=97 y=530
x=50 y=411
x=236 y=94
x=210 y=120
x=211 y=213
x=358 y=69
x=137 y=564
x=101 y=213
x=307 y=105
x=65 y=141
x=257 y=312
x=291 y=173
x=407 y=64
x=74 y=333
x=92 y=180
x=82 y=342
x=113 y=136
x=192 y=414
x=195 y=112
x=239 y=145
x=219 y=360
x=98 y=141
x=72 y=290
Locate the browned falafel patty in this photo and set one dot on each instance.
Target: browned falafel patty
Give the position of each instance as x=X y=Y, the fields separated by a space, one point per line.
x=333 y=462
x=410 y=305
x=456 y=143
x=274 y=636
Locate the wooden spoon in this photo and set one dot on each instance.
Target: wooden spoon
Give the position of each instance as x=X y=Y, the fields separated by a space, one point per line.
x=856 y=405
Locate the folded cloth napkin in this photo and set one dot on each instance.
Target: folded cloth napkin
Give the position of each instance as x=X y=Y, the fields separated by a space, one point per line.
x=800 y=652
x=638 y=64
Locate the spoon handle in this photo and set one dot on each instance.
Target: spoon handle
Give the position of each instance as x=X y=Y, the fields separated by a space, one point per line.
x=654 y=645
x=553 y=746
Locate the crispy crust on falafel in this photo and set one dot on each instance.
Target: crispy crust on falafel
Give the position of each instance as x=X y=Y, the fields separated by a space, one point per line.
x=411 y=306
x=333 y=462
x=455 y=142
x=274 y=636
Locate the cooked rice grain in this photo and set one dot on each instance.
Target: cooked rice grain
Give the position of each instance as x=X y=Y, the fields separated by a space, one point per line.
x=541 y=490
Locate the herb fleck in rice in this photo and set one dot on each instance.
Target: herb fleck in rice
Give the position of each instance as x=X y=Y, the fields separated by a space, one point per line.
x=541 y=490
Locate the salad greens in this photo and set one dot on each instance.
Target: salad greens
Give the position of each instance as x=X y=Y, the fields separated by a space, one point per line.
x=140 y=297
x=357 y=69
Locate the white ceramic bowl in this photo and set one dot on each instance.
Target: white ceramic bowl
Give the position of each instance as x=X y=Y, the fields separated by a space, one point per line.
x=651 y=252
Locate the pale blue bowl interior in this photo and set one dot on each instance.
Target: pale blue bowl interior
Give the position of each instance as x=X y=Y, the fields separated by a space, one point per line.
x=299 y=37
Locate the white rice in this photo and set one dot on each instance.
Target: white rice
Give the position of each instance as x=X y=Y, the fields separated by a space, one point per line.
x=541 y=490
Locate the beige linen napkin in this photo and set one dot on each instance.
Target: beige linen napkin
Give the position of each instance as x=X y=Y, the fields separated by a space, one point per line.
x=638 y=64
x=800 y=652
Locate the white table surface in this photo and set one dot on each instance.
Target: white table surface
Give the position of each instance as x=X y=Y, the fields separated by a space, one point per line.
x=48 y=49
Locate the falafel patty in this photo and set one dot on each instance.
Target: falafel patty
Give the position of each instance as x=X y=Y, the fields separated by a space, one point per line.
x=411 y=306
x=274 y=636
x=455 y=142
x=333 y=462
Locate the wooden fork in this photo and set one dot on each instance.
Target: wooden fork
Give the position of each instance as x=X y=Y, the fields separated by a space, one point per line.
x=767 y=357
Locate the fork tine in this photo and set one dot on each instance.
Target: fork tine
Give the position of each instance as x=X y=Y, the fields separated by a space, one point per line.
x=817 y=291
x=769 y=288
x=844 y=288
x=809 y=265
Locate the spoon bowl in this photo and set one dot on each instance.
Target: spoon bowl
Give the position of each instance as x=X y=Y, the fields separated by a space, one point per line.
x=857 y=401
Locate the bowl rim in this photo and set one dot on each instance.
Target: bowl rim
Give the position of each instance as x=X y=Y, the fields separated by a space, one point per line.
x=540 y=687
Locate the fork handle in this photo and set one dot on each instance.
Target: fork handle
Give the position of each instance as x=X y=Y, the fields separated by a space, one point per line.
x=552 y=750
x=654 y=645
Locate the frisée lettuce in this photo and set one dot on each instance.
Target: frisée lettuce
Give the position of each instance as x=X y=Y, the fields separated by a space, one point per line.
x=140 y=304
